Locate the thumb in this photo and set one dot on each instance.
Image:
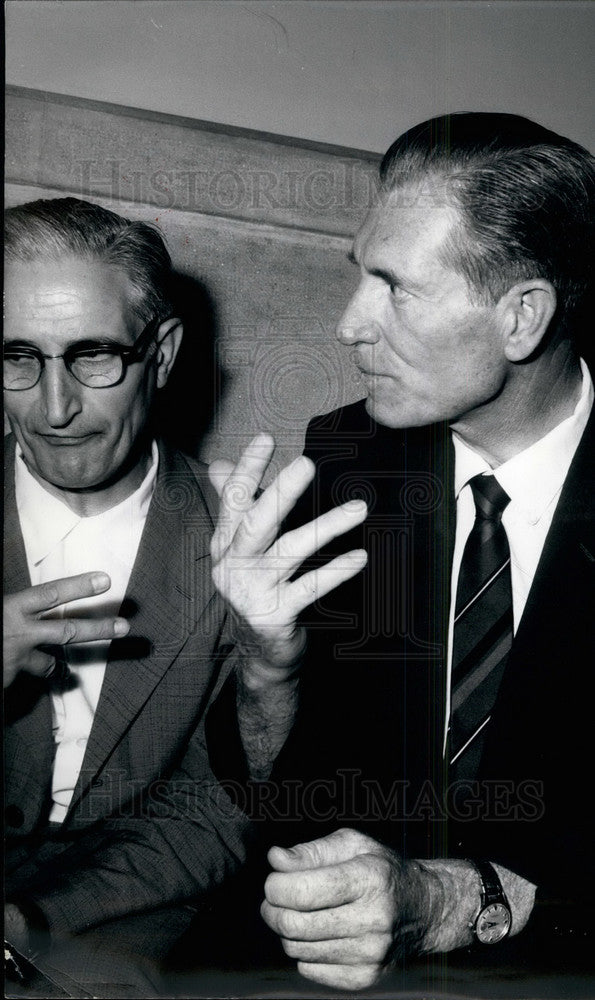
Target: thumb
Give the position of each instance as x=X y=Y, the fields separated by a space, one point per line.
x=342 y=845
x=219 y=472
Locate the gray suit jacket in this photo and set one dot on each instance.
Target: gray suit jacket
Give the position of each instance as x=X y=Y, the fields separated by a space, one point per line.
x=148 y=823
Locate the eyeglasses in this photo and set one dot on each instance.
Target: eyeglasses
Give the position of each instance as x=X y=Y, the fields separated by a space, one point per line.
x=96 y=365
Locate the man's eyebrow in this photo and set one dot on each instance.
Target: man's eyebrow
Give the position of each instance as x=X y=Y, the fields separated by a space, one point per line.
x=19 y=342
x=103 y=341
x=391 y=277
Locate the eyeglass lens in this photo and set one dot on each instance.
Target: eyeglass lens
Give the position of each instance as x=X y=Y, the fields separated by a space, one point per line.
x=96 y=369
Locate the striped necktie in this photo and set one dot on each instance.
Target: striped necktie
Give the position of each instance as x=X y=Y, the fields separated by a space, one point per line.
x=483 y=627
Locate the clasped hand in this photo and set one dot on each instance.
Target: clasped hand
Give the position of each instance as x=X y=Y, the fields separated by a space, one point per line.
x=345 y=906
x=252 y=567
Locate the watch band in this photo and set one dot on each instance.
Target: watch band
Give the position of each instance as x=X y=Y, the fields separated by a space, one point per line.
x=494 y=920
x=491 y=886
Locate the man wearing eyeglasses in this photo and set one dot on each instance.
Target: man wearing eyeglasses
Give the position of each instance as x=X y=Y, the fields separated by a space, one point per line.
x=111 y=622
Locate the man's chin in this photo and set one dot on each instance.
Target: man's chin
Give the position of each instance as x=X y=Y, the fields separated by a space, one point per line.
x=396 y=417
x=65 y=482
x=63 y=475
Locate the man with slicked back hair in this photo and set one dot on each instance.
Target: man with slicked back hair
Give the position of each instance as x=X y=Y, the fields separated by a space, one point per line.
x=420 y=693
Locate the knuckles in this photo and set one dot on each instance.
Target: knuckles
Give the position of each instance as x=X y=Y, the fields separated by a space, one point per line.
x=358 y=843
x=374 y=947
x=286 y=923
x=250 y=527
x=49 y=594
x=381 y=889
x=294 y=949
x=274 y=889
x=289 y=924
x=68 y=631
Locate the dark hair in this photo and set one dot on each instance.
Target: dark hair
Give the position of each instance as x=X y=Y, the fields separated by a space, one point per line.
x=524 y=195
x=56 y=227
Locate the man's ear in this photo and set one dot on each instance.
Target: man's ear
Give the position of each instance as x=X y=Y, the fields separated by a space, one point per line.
x=528 y=310
x=169 y=338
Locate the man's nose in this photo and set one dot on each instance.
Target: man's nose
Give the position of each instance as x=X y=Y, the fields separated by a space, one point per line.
x=59 y=393
x=358 y=324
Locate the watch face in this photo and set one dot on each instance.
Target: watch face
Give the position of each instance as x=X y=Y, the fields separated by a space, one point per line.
x=493 y=923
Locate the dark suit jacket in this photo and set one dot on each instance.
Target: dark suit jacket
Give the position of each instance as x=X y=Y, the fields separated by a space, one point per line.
x=366 y=750
x=147 y=823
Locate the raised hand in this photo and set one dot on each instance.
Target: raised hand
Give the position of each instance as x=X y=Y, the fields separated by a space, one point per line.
x=252 y=567
x=27 y=632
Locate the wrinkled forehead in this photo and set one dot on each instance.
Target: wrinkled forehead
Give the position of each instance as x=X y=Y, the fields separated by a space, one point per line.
x=408 y=216
x=54 y=301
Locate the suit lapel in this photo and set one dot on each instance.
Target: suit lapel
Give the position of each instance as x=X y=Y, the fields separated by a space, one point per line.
x=16 y=574
x=432 y=507
x=416 y=496
x=412 y=478
x=551 y=636
x=569 y=546
x=169 y=589
x=29 y=743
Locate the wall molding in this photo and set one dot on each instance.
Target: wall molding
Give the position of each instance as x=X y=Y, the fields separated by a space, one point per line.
x=108 y=151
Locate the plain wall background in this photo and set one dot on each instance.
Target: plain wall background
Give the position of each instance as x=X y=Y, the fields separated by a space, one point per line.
x=354 y=73
x=260 y=230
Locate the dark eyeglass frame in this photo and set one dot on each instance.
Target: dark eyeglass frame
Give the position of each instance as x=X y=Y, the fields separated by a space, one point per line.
x=128 y=355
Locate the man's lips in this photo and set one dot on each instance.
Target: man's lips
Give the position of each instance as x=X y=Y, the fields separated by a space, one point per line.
x=365 y=370
x=66 y=439
x=369 y=374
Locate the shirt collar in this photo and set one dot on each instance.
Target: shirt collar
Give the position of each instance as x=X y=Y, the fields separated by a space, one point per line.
x=46 y=521
x=534 y=478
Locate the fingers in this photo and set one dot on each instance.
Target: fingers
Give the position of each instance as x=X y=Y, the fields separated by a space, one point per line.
x=309 y=538
x=253 y=525
x=343 y=977
x=261 y=525
x=46 y=596
x=219 y=472
x=316 y=889
x=334 y=907
x=320 y=925
x=60 y=632
x=238 y=489
x=313 y=585
x=343 y=951
x=40 y=664
x=341 y=845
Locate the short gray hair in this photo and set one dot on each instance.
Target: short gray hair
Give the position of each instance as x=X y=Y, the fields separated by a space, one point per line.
x=56 y=227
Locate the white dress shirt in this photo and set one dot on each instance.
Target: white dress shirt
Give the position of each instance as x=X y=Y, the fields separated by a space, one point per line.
x=533 y=480
x=60 y=543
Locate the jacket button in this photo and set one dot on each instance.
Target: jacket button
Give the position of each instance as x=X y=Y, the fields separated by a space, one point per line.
x=97 y=782
x=14 y=816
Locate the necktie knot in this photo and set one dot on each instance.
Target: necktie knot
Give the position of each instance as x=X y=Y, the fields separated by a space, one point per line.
x=490 y=499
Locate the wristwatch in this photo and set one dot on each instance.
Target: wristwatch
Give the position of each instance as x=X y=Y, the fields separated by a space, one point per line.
x=494 y=919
